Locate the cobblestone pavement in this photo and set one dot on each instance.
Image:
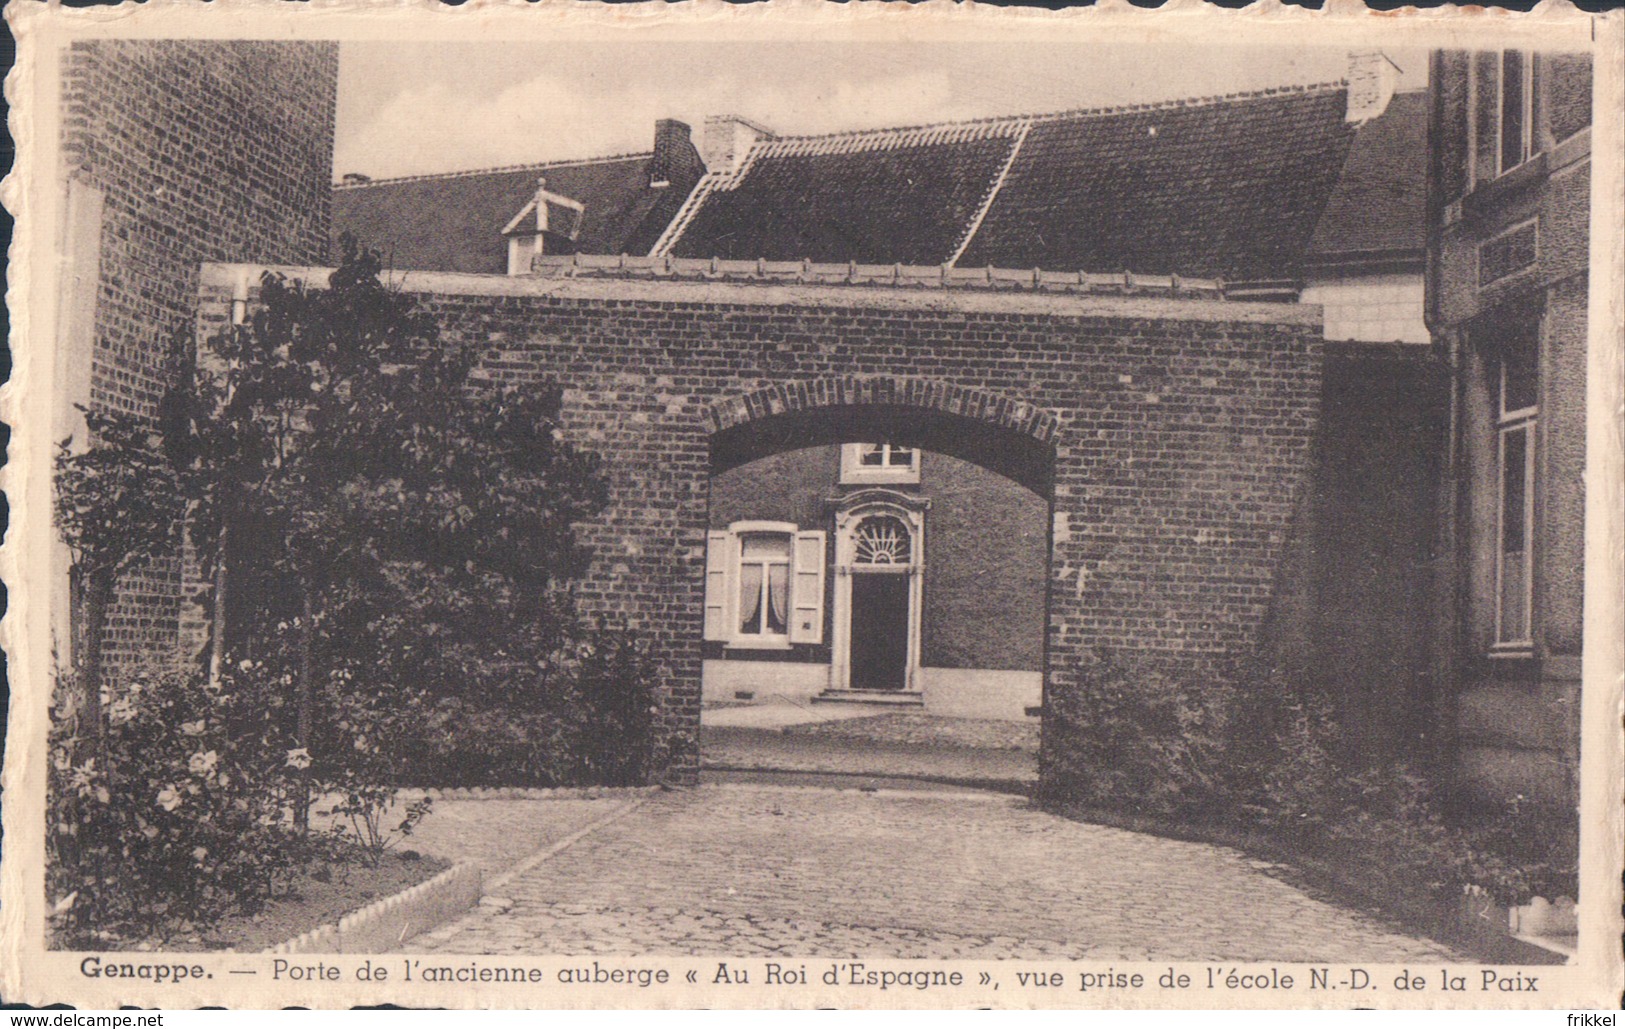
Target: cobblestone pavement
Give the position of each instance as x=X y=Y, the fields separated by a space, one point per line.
x=766 y=870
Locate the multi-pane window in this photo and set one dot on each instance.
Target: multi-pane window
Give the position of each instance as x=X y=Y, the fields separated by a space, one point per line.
x=879 y=462
x=764 y=585
x=884 y=455
x=1516 y=410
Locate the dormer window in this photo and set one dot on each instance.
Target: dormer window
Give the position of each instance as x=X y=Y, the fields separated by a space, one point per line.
x=549 y=223
x=879 y=462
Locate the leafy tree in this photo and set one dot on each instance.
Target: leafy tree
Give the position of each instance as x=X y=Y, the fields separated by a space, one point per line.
x=396 y=525
x=119 y=502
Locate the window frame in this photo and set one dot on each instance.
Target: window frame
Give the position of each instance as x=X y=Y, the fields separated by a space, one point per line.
x=762 y=639
x=1509 y=422
x=1526 y=110
x=854 y=470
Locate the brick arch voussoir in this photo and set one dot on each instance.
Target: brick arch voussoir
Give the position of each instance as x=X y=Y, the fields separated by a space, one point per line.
x=1021 y=416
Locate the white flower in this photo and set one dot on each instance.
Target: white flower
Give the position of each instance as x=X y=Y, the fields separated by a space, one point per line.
x=199 y=853
x=193 y=728
x=203 y=763
x=245 y=665
x=299 y=758
x=168 y=799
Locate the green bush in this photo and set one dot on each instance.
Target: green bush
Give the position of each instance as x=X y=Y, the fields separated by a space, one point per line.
x=588 y=718
x=1248 y=753
x=1137 y=740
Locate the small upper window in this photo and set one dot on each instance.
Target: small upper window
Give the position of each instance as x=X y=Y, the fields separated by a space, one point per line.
x=1517 y=109
x=879 y=462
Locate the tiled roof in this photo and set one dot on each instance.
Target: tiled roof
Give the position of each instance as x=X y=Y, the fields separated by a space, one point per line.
x=1380 y=203
x=1229 y=187
x=894 y=195
x=454 y=222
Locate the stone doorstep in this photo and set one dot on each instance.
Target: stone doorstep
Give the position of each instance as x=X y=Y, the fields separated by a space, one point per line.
x=882 y=698
x=382 y=926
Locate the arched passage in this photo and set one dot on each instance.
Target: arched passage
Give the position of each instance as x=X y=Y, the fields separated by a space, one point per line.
x=879 y=542
x=1011 y=437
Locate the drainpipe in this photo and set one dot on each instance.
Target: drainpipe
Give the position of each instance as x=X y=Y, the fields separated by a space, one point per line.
x=1447 y=345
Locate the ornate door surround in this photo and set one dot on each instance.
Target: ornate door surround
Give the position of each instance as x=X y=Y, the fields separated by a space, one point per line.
x=877 y=532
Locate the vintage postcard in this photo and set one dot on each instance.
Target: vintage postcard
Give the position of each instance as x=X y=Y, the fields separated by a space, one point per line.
x=814 y=505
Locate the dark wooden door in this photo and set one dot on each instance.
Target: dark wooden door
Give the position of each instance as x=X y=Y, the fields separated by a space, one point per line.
x=879 y=632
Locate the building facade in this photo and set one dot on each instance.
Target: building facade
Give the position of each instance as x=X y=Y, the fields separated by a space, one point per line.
x=861 y=446
x=1313 y=193
x=931 y=594
x=1509 y=209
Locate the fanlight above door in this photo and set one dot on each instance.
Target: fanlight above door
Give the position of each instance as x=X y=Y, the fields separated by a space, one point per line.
x=882 y=540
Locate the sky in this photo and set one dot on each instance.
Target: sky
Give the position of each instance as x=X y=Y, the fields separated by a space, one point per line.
x=419 y=108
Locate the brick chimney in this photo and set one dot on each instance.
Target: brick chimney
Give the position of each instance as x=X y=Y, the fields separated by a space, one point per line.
x=727 y=140
x=1372 y=78
x=675 y=161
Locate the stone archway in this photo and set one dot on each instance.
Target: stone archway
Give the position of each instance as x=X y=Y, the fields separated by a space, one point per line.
x=880 y=641
x=1013 y=437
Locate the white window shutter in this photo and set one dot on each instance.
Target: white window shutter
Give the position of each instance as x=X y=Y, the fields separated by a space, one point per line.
x=807 y=591
x=719 y=559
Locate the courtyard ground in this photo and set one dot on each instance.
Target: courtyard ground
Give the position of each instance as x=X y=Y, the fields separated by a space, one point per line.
x=832 y=832
x=736 y=869
x=863 y=745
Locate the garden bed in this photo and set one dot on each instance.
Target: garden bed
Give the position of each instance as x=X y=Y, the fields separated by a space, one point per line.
x=1344 y=879
x=316 y=896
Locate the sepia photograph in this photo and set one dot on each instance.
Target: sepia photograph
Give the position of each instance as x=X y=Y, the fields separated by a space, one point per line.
x=865 y=511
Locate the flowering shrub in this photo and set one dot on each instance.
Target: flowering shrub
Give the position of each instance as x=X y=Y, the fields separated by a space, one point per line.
x=182 y=819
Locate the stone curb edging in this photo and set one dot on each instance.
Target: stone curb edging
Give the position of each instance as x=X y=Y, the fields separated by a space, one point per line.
x=542 y=855
x=523 y=792
x=889 y=793
x=381 y=927
x=497 y=905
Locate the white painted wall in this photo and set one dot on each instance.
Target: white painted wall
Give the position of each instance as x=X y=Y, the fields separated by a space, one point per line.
x=1383 y=308
x=979 y=693
x=949 y=692
x=764 y=680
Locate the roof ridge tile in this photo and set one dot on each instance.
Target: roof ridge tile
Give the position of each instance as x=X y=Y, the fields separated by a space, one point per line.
x=496 y=170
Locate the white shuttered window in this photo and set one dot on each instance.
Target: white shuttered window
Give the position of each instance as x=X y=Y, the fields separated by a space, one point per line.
x=764 y=585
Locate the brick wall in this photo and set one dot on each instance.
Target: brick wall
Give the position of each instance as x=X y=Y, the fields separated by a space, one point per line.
x=1179 y=430
x=201 y=151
